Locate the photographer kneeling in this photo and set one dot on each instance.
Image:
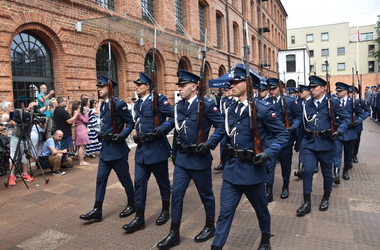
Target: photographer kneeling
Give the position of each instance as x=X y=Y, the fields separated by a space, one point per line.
x=57 y=157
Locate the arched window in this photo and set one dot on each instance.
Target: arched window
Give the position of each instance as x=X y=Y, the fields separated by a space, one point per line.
x=32 y=66
x=102 y=59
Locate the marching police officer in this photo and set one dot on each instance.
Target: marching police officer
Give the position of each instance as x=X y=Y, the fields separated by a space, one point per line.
x=114 y=152
x=152 y=151
x=192 y=161
x=225 y=103
x=263 y=90
x=367 y=112
x=245 y=172
x=318 y=141
x=285 y=156
x=347 y=140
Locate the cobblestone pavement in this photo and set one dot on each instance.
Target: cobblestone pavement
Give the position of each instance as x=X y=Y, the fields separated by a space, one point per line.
x=46 y=217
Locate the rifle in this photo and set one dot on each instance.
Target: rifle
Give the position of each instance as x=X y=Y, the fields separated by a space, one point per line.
x=329 y=102
x=201 y=87
x=282 y=96
x=359 y=86
x=252 y=111
x=111 y=102
x=353 y=97
x=154 y=88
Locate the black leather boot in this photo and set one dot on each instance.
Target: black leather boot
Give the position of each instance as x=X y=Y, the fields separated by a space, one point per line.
x=165 y=215
x=325 y=201
x=172 y=239
x=138 y=223
x=95 y=214
x=207 y=232
x=355 y=159
x=265 y=242
x=216 y=248
x=345 y=172
x=306 y=206
x=223 y=161
x=269 y=192
x=299 y=172
x=285 y=190
x=129 y=209
x=336 y=179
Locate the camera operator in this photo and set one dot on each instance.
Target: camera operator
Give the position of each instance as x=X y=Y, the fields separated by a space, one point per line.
x=57 y=157
x=18 y=131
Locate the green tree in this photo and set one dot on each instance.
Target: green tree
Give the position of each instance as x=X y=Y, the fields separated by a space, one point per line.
x=377 y=40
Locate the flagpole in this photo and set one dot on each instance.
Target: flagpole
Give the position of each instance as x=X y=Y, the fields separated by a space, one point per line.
x=357 y=43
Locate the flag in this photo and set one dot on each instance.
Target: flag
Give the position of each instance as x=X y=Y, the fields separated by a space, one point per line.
x=358 y=35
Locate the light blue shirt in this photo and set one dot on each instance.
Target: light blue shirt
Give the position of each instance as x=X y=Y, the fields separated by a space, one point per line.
x=50 y=143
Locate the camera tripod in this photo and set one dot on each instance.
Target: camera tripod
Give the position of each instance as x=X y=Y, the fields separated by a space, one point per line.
x=29 y=151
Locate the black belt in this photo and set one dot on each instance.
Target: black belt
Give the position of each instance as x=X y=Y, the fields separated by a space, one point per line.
x=323 y=133
x=242 y=154
x=107 y=137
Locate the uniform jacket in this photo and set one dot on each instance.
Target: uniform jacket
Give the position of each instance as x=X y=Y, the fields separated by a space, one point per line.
x=351 y=133
x=189 y=134
x=294 y=114
x=367 y=112
x=322 y=122
x=159 y=149
x=111 y=150
x=240 y=172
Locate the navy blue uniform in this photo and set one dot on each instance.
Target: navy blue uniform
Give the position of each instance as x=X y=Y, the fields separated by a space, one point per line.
x=367 y=113
x=346 y=141
x=114 y=155
x=225 y=103
x=285 y=156
x=194 y=166
x=318 y=148
x=243 y=176
x=152 y=156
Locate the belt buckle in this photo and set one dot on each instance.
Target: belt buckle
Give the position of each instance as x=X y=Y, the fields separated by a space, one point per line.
x=316 y=133
x=235 y=153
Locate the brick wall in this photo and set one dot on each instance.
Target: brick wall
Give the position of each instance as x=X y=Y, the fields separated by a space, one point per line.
x=74 y=53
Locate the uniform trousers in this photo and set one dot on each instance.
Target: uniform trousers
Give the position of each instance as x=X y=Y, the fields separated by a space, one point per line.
x=310 y=160
x=357 y=144
x=285 y=159
x=203 y=183
x=121 y=167
x=142 y=175
x=230 y=196
x=348 y=149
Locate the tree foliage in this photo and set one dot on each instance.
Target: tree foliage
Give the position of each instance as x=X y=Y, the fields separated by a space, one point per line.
x=377 y=40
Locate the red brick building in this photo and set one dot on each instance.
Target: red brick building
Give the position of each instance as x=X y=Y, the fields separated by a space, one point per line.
x=64 y=43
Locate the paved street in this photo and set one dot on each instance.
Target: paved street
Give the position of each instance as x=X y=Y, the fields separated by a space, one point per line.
x=46 y=217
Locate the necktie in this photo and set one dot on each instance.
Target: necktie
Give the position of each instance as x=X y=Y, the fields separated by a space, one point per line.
x=187 y=104
x=140 y=105
x=343 y=102
x=318 y=103
x=274 y=101
x=240 y=106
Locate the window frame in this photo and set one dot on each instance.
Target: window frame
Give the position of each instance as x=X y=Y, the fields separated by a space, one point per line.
x=324 y=34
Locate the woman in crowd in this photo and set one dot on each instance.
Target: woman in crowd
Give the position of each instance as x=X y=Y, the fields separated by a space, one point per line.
x=8 y=107
x=93 y=126
x=81 y=133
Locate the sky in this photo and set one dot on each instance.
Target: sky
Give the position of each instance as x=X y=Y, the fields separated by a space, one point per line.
x=306 y=13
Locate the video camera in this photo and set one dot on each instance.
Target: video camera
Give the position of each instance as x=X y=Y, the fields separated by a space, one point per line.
x=69 y=154
x=27 y=117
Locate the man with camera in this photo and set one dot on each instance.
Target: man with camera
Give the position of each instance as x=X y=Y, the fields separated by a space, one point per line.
x=57 y=157
x=25 y=119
